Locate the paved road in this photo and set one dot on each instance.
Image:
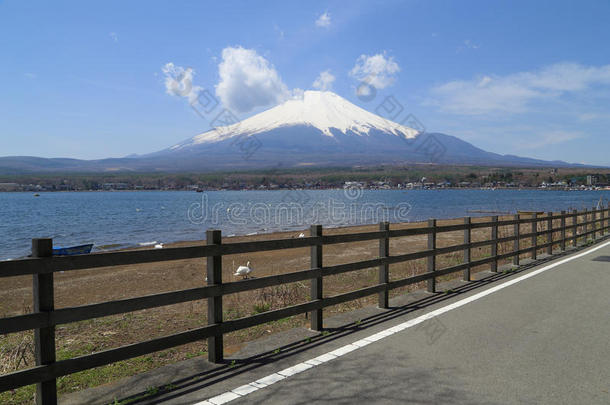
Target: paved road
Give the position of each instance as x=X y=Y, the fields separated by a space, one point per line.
x=541 y=336
x=542 y=340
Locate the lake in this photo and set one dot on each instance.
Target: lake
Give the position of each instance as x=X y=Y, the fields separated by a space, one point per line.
x=113 y=220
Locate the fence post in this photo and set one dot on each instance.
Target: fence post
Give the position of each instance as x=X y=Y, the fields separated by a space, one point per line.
x=467 y=238
x=44 y=338
x=606 y=215
x=586 y=226
x=535 y=236
x=384 y=269
x=607 y=222
x=549 y=235
x=602 y=213
x=517 y=234
x=598 y=216
x=316 y=283
x=574 y=228
x=563 y=231
x=590 y=227
x=600 y=223
x=214 y=271
x=598 y=226
x=594 y=218
x=432 y=257
x=494 y=245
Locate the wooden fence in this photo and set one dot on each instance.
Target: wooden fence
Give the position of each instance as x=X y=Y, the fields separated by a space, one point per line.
x=45 y=317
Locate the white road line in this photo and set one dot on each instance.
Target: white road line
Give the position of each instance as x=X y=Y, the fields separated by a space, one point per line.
x=244 y=390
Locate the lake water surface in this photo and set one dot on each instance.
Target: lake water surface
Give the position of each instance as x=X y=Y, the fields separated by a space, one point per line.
x=114 y=220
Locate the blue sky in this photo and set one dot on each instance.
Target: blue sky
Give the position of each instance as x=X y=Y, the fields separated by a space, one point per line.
x=90 y=79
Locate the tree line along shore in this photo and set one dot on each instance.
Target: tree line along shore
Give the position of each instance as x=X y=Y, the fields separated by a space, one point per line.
x=383 y=177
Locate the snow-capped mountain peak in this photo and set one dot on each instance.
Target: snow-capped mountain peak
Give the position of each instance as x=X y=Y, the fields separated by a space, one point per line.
x=323 y=110
x=319 y=129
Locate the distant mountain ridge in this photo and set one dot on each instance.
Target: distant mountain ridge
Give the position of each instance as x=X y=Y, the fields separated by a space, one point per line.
x=319 y=129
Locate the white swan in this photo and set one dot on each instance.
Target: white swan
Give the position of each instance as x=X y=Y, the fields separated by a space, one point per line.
x=243 y=270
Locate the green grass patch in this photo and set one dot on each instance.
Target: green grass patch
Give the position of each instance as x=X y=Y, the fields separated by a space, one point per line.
x=260 y=308
x=196 y=354
x=20 y=396
x=102 y=375
x=85 y=379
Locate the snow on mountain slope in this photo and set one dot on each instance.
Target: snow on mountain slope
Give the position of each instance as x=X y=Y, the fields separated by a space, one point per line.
x=320 y=129
x=322 y=110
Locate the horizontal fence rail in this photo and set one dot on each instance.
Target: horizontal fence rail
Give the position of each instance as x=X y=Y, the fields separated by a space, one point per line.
x=42 y=265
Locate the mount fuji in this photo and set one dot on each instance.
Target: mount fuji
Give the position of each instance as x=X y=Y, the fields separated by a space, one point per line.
x=330 y=116
x=323 y=129
x=318 y=129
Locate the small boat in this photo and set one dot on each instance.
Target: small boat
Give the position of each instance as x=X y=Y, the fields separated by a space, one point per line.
x=36 y=195
x=73 y=250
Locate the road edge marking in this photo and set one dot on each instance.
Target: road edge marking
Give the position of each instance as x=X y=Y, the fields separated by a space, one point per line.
x=348 y=348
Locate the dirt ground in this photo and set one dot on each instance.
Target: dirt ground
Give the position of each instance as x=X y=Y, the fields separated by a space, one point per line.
x=82 y=287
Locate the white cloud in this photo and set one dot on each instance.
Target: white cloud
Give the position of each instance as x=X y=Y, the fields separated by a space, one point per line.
x=247 y=81
x=179 y=82
x=323 y=20
x=365 y=91
x=589 y=116
x=114 y=36
x=377 y=71
x=468 y=44
x=567 y=77
x=324 y=81
x=515 y=93
x=279 y=31
x=553 y=138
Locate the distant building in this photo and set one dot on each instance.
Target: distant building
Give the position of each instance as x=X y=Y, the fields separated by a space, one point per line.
x=416 y=185
x=9 y=187
x=352 y=184
x=115 y=186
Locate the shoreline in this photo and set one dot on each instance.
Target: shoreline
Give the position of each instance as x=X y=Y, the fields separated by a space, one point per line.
x=132 y=240
x=481 y=188
x=332 y=230
x=88 y=286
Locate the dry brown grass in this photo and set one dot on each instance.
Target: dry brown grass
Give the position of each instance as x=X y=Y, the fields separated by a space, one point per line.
x=97 y=285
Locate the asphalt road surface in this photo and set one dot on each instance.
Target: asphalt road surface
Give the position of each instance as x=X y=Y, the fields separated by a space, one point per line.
x=540 y=336
x=545 y=339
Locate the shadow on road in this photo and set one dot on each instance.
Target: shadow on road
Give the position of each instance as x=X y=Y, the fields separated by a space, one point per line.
x=416 y=382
